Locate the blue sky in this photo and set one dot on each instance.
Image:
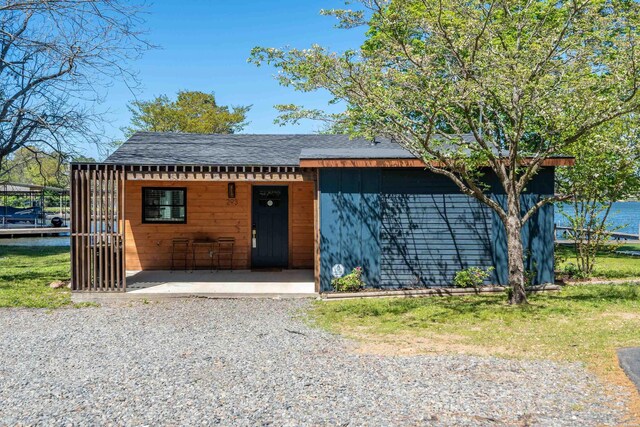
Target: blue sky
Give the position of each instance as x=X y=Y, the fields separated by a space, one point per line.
x=204 y=45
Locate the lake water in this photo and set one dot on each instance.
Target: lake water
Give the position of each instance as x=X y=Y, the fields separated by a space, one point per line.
x=623 y=214
x=36 y=241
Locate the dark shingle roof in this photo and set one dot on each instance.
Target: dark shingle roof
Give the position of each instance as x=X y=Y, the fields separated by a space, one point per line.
x=169 y=148
x=159 y=148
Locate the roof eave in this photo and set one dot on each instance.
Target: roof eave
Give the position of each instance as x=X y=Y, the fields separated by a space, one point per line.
x=404 y=163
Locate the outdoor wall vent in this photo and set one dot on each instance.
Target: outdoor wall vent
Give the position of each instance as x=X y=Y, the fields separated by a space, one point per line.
x=231 y=190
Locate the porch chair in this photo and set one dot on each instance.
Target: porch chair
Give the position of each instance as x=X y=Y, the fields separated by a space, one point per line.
x=225 y=251
x=179 y=253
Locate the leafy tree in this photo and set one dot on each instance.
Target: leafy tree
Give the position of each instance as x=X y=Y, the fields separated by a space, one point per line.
x=607 y=169
x=192 y=111
x=29 y=165
x=528 y=79
x=56 y=59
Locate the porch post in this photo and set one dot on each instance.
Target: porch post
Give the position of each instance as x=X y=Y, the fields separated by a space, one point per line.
x=316 y=231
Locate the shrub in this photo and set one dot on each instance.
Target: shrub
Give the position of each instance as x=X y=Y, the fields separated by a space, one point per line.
x=471 y=277
x=573 y=271
x=351 y=282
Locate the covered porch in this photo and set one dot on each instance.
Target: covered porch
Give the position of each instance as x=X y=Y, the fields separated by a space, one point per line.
x=194 y=229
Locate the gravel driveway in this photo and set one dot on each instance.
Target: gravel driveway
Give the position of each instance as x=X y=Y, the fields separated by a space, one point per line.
x=252 y=362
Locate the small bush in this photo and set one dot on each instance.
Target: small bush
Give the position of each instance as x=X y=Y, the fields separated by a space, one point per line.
x=471 y=277
x=351 y=282
x=573 y=271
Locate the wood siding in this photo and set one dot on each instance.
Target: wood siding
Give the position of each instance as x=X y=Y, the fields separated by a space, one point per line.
x=210 y=214
x=301 y=224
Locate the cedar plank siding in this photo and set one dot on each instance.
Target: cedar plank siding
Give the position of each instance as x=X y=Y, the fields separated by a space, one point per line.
x=301 y=224
x=210 y=214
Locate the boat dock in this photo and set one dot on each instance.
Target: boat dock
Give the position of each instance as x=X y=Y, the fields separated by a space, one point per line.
x=34 y=232
x=564 y=233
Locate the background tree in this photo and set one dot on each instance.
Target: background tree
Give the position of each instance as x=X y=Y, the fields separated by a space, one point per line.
x=56 y=58
x=29 y=165
x=528 y=79
x=607 y=170
x=192 y=111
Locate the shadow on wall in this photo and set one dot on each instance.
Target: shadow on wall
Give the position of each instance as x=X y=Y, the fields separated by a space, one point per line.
x=350 y=231
x=538 y=241
x=411 y=229
x=428 y=238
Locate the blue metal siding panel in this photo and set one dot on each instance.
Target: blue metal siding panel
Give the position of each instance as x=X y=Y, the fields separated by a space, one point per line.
x=330 y=221
x=370 y=232
x=537 y=239
x=429 y=230
x=350 y=223
x=538 y=242
x=410 y=228
x=499 y=244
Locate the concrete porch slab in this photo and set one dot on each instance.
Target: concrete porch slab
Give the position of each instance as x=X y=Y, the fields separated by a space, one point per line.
x=237 y=282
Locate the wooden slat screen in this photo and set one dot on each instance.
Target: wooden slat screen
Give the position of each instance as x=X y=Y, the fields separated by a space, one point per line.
x=97 y=228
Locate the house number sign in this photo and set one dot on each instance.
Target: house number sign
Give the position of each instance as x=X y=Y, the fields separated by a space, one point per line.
x=337 y=270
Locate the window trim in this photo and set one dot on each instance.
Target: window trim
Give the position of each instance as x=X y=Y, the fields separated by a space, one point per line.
x=144 y=190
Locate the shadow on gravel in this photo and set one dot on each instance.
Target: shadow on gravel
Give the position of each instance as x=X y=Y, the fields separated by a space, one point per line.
x=629 y=359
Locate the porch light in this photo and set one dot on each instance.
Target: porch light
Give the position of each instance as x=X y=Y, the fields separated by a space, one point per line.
x=231 y=190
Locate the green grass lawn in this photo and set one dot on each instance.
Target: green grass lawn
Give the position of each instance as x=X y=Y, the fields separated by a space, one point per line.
x=608 y=265
x=25 y=274
x=580 y=323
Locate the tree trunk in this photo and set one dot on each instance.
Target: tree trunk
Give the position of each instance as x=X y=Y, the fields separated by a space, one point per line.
x=515 y=252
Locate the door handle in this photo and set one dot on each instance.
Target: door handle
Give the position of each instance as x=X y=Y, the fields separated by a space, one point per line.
x=254 y=236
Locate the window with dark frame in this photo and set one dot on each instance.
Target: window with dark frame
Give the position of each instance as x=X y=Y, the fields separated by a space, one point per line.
x=164 y=205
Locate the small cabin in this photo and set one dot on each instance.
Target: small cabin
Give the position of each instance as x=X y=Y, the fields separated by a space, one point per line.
x=314 y=205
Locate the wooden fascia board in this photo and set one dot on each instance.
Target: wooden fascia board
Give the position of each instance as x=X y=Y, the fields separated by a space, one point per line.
x=403 y=163
x=221 y=176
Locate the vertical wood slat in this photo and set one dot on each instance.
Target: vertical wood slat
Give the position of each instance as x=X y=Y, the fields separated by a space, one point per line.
x=100 y=221
x=119 y=229
x=96 y=231
x=86 y=206
x=116 y=229
x=74 y=232
x=114 y=211
x=109 y=237
x=103 y=232
x=110 y=226
x=79 y=255
x=81 y=228
x=114 y=247
x=123 y=232
x=103 y=252
x=93 y=225
x=75 y=225
x=85 y=237
x=316 y=231
x=72 y=240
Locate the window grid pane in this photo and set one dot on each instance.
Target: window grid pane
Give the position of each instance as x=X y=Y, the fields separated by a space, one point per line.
x=164 y=205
